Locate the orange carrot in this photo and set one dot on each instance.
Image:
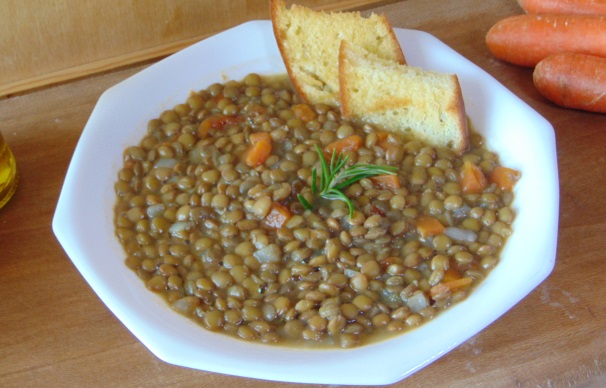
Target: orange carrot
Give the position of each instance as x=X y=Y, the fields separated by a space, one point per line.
x=505 y=178
x=277 y=216
x=349 y=143
x=527 y=39
x=450 y=275
x=573 y=80
x=458 y=283
x=566 y=7
x=261 y=149
x=217 y=122
x=429 y=226
x=383 y=140
x=256 y=137
x=450 y=285
x=473 y=180
x=304 y=112
x=258 y=154
x=386 y=181
x=382 y=136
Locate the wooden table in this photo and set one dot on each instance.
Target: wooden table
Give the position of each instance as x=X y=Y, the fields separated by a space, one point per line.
x=55 y=331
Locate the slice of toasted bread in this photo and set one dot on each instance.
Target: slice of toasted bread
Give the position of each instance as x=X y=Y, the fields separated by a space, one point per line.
x=422 y=104
x=309 y=44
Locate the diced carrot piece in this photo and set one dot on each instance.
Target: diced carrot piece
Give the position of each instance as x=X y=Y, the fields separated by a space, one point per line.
x=473 y=180
x=259 y=153
x=450 y=285
x=384 y=140
x=349 y=143
x=261 y=148
x=450 y=275
x=505 y=178
x=429 y=226
x=386 y=181
x=382 y=136
x=256 y=137
x=277 y=216
x=458 y=283
x=217 y=122
x=304 y=112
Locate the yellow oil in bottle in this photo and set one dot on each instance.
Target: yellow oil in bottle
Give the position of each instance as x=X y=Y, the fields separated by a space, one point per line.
x=8 y=173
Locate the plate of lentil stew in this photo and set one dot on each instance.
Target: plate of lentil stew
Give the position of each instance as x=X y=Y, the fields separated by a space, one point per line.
x=195 y=236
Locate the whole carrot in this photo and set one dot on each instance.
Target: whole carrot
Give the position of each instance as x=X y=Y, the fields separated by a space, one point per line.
x=589 y=7
x=573 y=80
x=526 y=39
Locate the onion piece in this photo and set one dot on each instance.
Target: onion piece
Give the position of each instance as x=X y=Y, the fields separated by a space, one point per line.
x=270 y=253
x=459 y=234
x=417 y=302
x=462 y=211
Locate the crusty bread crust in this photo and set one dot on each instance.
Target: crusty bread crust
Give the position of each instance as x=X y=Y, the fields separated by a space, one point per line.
x=309 y=41
x=458 y=105
x=422 y=104
x=277 y=8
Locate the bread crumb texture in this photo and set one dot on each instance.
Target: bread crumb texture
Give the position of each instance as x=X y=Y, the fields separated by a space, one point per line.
x=416 y=102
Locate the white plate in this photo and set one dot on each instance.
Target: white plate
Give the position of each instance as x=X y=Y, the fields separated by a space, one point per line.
x=83 y=222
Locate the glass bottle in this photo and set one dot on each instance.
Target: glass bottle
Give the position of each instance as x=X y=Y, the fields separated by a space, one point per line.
x=8 y=173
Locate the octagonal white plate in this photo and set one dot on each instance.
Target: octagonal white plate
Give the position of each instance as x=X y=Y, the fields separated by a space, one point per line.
x=83 y=222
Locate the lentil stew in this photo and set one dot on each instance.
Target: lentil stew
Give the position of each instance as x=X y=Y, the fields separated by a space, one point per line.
x=209 y=215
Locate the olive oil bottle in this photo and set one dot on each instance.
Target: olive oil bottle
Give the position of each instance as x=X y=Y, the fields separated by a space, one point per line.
x=9 y=176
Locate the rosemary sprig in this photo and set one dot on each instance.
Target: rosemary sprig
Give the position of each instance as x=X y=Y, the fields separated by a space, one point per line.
x=334 y=177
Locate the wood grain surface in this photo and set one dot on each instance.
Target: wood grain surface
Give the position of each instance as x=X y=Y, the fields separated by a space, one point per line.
x=56 y=332
x=45 y=42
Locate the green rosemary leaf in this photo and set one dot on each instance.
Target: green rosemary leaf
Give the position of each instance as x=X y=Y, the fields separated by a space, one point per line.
x=325 y=170
x=360 y=171
x=335 y=176
x=304 y=202
x=333 y=159
x=338 y=195
x=338 y=168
